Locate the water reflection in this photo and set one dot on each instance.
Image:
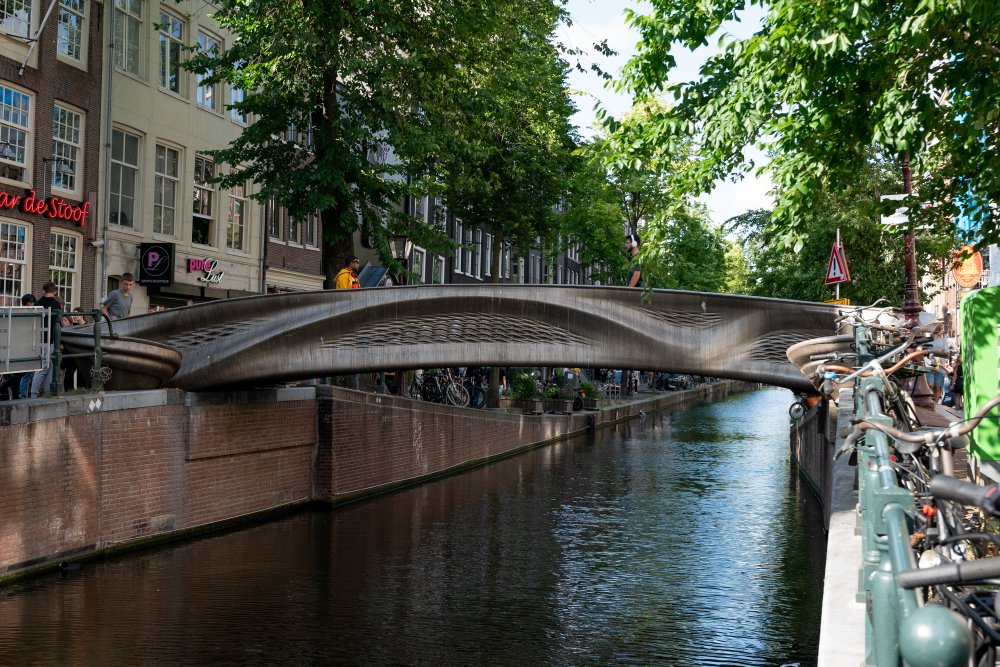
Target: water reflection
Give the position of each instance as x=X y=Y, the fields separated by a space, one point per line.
x=682 y=539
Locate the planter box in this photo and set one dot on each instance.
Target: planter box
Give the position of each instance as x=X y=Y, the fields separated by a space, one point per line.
x=505 y=402
x=591 y=403
x=560 y=405
x=531 y=406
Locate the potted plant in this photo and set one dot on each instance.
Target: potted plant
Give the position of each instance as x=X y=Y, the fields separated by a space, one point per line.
x=559 y=399
x=525 y=393
x=588 y=395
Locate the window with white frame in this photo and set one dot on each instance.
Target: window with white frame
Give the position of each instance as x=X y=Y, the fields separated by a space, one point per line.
x=71 y=27
x=15 y=17
x=477 y=259
x=208 y=93
x=419 y=206
x=15 y=133
x=204 y=194
x=417 y=261
x=124 y=178
x=236 y=218
x=273 y=215
x=488 y=255
x=64 y=262
x=458 y=250
x=165 y=189
x=14 y=255
x=294 y=230
x=171 y=47
x=67 y=153
x=237 y=96
x=467 y=250
x=560 y=275
x=437 y=270
x=310 y=231
x=128 y=36
x=505 y=256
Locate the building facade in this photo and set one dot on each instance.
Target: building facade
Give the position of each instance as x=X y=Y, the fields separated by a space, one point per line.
x=51 y=60
x=184 y=238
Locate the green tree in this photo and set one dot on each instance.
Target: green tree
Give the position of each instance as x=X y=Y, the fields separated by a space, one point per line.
x=873 y=251
x=365 y=82
x=822 y=82
x=682 y=250
x=506 y=166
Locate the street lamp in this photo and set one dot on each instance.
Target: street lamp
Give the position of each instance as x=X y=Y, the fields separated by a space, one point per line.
x=60 y=167
x=401 y=247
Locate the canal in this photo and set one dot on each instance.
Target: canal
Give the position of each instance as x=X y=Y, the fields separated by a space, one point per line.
x=682 y=538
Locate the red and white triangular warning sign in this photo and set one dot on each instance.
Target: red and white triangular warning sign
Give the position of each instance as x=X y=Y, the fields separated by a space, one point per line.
x=837 y=271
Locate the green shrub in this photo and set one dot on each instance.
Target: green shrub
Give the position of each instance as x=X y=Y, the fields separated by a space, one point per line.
x=588 y=390
x=523 y=387
x=552 y=392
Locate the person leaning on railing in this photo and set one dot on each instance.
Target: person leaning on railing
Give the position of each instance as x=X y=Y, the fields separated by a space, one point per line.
x=41 y=378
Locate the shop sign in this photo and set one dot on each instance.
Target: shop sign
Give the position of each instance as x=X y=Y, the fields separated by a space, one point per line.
x=156 y=264
x=53 y=208
x=209 y=266
x=968 y=267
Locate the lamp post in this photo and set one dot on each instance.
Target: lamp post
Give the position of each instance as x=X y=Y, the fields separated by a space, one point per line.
x=59 y=168
x=911 y=296
x=401 y=247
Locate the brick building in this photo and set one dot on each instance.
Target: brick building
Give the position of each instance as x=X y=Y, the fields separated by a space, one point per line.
x=51 y=63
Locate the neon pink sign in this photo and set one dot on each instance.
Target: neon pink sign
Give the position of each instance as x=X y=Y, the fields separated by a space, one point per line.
x=54 y=208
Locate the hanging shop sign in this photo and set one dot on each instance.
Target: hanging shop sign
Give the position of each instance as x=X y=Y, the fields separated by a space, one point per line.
x=156 y=264
x=209 y=266
x=53 y=208
x=968 y=267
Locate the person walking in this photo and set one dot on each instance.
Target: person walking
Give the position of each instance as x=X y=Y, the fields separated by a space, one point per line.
x=630 y=379
x=41 y=379
x=118 y=304
x=347 y=277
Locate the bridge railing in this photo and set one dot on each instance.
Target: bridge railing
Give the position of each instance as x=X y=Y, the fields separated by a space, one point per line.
x=899 y=627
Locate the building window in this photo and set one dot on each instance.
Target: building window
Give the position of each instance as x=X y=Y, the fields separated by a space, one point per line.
x=310 y=231
x=237 y=96
x=208 y=97
x=458 y=251
x=273 y=214
x=165 y=190
x=488 y=255
x=67 y=130
x=15 y=125
x=235 y=219
x=294 y=230
x=417 y=261
x=467 y=250
x=63 y=267
x=128 y=35
x=477 y=260
x=437 y=270
x=124 y=177
x=15 y=17
x=171 y=46
x=13 y=262
x=505 y=260
x=204 y=191
x=70 y=28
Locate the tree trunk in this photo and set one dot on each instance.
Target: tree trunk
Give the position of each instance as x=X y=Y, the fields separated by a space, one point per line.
x=338 y=242
x=493 y=388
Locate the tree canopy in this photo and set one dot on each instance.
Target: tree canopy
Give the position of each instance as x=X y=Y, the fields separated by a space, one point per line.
x=820 y=84
x=351 y=105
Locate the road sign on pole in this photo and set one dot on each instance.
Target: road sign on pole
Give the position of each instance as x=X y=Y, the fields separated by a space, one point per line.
x=837 y=271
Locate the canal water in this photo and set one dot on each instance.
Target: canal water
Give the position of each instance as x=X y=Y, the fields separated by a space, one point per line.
x=683 y=538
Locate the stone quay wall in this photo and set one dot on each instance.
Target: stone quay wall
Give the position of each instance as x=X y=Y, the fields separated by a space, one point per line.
x=812 y=440
x=90 y=474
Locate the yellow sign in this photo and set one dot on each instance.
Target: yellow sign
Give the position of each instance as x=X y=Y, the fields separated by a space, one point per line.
x=968 y=271
x=839 y=302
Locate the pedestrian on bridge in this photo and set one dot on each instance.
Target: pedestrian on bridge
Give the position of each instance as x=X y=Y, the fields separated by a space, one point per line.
x=347 y=277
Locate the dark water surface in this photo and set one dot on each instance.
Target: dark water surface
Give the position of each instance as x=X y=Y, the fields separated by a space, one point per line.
x=684 y=538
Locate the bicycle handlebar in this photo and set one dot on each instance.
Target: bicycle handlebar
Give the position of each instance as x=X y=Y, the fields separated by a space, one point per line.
x=986 y=498
x=950 y=573
x=930 y=436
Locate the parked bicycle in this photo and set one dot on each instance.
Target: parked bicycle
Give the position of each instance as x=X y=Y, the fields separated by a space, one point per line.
x=439 y=386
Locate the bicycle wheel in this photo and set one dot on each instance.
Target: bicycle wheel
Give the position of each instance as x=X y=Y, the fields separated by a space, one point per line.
x=457 y=395
x=415 y=392
x=477 y=398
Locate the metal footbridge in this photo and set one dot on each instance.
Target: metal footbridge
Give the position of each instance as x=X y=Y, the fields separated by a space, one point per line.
x=268 y=339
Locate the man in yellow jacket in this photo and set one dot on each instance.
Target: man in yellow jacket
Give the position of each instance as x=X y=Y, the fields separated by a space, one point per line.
x=347 y=277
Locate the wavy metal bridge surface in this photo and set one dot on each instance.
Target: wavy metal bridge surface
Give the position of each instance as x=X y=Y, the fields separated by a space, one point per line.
x=276 y=338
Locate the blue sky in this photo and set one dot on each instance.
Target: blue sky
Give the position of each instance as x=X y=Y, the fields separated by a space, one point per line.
x=596 y=20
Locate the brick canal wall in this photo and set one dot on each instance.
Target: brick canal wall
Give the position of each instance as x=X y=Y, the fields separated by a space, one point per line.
x=84 y=474
x=812 y=440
